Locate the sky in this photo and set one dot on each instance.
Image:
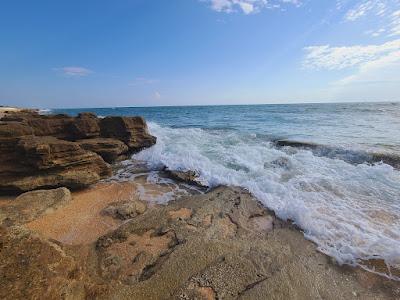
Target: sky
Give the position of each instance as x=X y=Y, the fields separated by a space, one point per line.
x=102 y=53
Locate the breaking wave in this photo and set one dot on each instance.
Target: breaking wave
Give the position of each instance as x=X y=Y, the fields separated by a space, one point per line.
x=351 y=211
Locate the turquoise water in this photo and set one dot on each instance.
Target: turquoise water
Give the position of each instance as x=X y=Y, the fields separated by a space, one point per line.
x=349 y=207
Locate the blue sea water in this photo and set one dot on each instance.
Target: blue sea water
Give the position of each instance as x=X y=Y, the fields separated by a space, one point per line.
x=350 y=208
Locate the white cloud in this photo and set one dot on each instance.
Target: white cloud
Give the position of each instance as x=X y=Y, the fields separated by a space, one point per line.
x=376 y=7
x=74 y=71
x=247 y=6
x=395 y=23
x=387 y=12
x=384 y=69
x=337 y=58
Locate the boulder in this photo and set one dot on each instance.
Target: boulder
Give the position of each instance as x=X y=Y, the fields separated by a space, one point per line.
x=109 y=149
x=132 y=131
x=125 y=210
x=31 y=205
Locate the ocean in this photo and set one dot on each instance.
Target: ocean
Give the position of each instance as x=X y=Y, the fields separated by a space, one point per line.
x=346 y=203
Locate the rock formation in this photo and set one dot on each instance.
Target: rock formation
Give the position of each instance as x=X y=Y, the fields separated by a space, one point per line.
x=130 y=130
x=38 y=151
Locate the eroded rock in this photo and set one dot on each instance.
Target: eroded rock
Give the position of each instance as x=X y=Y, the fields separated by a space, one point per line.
x=40 y=151
x=49 y=162
x=109 y=149
x=31 y=205
x=34 y=268
x=126 y=210
x=132 y=131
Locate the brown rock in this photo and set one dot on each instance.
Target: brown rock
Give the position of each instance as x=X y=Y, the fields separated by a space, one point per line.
x=126 y=210
x=31 y=205
x=132 y=131
x=38 y=151
x=109 y=149
x=85 y=126
x=61 y=126
x=50 y=162
x=34 y=268
x=190 y=177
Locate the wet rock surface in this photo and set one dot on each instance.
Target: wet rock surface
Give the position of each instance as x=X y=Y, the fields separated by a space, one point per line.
x=218 y=245
x=190 y=177
x=42 y=151
x=350 y=156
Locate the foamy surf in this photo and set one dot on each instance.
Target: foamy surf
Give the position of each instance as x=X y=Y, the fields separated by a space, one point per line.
x=350 y=211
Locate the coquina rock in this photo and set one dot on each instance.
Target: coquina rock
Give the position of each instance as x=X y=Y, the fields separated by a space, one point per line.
x=132 y=131
x=109 y=149
x=39 y=151
x=49 y=162
x=31 y=205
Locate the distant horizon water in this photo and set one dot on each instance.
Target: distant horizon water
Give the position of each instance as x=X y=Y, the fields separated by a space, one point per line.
x=200 y=105
x=347 y=205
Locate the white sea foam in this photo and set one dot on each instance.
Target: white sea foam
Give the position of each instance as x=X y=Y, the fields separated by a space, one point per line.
x=45 y=111
x=352 y=212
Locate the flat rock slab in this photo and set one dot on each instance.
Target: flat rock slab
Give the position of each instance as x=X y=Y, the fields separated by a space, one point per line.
x=32 y=205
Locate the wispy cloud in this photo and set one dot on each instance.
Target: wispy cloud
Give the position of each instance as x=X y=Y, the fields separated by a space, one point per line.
x=376 y=7
x=74 y=71
x=383 y=69
x=337 y=58
x=386 y=11
x=143 y=81
x=247 y=6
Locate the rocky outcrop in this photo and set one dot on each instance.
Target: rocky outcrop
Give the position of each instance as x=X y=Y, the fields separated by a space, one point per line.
x=218 y=245
x=109 y=149
x=132 y=131
x=85 y=126
x=44 y=162
x=223 y=245
x=39 y=151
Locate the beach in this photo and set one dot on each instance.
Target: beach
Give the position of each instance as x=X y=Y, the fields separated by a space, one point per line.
x=134 y=230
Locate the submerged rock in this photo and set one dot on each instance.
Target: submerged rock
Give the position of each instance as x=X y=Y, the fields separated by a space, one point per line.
x=348 y=155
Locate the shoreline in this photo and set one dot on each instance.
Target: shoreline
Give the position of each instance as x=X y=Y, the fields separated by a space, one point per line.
x=200 y=234
x=124 y=238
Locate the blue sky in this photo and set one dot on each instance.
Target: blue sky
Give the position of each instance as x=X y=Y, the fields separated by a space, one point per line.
x=101 y=53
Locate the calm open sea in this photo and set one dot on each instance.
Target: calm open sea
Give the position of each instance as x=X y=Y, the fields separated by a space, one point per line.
x=350 y=208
